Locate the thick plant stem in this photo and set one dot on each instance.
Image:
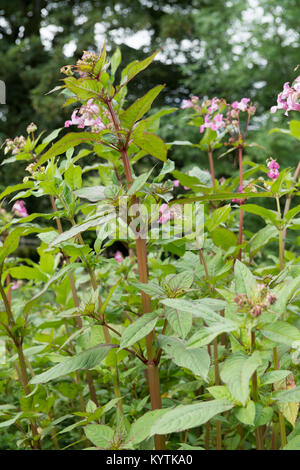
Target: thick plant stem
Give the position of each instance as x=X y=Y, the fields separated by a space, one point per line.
x=240 y=150
x=152 y=366
x=280 y=415
x=211 y=168
x=141 y=252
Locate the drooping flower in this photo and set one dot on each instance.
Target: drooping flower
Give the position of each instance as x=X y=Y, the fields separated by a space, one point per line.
x=118 y=256
x=241 y=105
x=16 y=285
x=288 y=98
x=273 y=167
x=88 y=116
x=31 y=128
x=214 y=123
x=239 y=201
x=19 y=208
x=166 y=214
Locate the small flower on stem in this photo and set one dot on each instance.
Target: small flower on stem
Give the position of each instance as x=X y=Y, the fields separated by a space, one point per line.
x=19 y=208
x=118 y=256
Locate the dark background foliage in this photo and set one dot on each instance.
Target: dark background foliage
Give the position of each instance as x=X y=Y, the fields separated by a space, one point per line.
x=208 y=48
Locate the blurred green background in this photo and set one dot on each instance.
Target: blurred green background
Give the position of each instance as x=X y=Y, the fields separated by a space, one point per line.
x=209 y=48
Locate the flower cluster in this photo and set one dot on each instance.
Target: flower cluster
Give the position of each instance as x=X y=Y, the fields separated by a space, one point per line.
x=168 y=213
x=255 y=308
x=288 y=98
x=31 y=128
x=273 y=167
x=19 y=208
x=88 y=116
x=213 y=122
x=15 y=146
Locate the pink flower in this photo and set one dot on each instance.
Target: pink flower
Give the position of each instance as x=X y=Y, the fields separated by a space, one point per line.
x=187 y=104
x=89 y=116
x=214 y=124
x=273 y=167
x=166 y=214
x=16 y=285
x=242 y=105
x=273 y=174
x=288 y=98
x=118 y=256
x=19 y=209
x=176 y=183
x=239 y=201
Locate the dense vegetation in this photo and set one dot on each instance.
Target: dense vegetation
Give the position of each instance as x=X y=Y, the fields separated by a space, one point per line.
x=188 y=337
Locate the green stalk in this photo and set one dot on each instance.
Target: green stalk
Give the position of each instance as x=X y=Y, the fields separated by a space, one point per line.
x=21 y=370
x=280 y=415
x=281 y=245
x=258 y=434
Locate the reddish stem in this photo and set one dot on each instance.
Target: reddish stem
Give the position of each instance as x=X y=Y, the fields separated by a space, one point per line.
x=211 y=167
x=240 y=150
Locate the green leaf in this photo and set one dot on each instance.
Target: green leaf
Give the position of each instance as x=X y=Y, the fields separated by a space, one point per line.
x=73 y=176
x=237 y=372
x=181 y=323
x=220 y=392
x=136 y=67
x=100 y=62
x=266 y=214
x=224 y=238
x=138 y=329
x=85 y=360
x=287 y=396
x=217 y=217
x=72 y=232
x=195 y=359
x=115 y=61
x=151 y=288
x=138 y=183
x=16 y=187
x=197 y=309
x=100 y=435
x=282 y=332
x=261 y=238
x=139 y=430
x=140 y=107
x=293 y=444
x=152 y=145
x=206 y=335
x=70 y=140
x=9 y=422
x=53 y=279
x=93 y=193
x=295 y=128
x=185 y=417
x=246 y=415
x=288 y=290
x=274 y=376
x=245 y=282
